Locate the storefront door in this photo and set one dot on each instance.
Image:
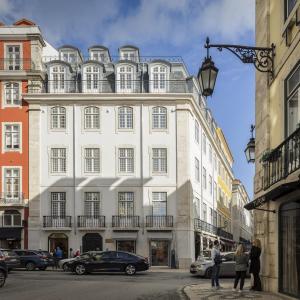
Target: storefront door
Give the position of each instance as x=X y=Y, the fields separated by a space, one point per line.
x=92 y=242
x=58 y=240
x=159 y=252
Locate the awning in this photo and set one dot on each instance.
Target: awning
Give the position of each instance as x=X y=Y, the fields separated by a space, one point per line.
x=10 y=233
x=224 y=240
x=274 y=194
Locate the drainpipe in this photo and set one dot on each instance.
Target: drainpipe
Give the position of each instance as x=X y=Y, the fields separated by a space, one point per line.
x=74 y=171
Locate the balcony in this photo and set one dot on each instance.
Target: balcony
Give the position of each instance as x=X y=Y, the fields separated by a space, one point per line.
x=200 y=225
x=60 y=223
x=22 y=64
x=91 y=222
x=159 y=222
x=224 y=234
x=11 y=199
x=115 y=86
x=129 y=223
x=282 y=161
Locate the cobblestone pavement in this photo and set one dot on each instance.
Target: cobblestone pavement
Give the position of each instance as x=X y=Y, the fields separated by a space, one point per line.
x=204 y=292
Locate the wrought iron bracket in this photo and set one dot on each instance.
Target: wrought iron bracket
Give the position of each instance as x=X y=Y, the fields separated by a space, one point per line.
x=268 y=210
x=261 y=57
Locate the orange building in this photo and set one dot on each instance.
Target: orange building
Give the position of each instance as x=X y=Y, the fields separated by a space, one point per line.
x=21 y=47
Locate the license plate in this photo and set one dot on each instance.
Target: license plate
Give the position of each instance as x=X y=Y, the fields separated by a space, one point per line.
x=13 y=260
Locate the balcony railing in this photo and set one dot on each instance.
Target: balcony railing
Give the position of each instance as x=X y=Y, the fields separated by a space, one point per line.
x=11 y=199
x=91 y=221
x=21 y=64
x=125 y=221
x=57 y=222
x=283 y=160
x=115 y=86
x=159 y=221
x=204 y=226
x=224 y=234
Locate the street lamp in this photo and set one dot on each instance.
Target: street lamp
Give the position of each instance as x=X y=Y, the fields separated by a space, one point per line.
x=250 y=149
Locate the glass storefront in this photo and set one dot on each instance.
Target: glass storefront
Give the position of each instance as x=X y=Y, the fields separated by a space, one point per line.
x=289 y=246
x=126 y=245
x=159 y=252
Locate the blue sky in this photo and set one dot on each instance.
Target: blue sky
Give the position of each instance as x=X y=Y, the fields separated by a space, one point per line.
x=164 y=27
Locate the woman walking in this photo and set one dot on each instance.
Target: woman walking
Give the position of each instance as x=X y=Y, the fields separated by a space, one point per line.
x=241 y=265
x=255 y=264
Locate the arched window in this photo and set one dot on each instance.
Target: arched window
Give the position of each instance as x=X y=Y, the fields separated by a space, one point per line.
x=92 y=79
x=159 y=117
x=91 y=117
x=12 y=94
x=58 y=117
x=159 y=78
x=125 y=79
x=58 y=83
x=125 y=117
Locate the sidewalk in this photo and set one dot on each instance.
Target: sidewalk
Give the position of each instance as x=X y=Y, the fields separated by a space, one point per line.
x=204 y=292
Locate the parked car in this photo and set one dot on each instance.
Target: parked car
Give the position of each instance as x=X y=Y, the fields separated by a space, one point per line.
x=48 y=257
x=11 y=259
x=63 y=262
x=203 y=266
x=109 y=261
x=3 y=272
x=32 y=259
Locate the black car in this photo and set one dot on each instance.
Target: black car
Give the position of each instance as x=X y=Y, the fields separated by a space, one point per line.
x=32 y=259
x=109 y=261
x=11 y=259
x=46 y=255
x=3 y=272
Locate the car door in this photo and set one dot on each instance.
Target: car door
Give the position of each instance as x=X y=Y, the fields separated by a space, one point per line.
x=104 y=261
x=228 y=265
x=20 y=253
x=123 y=259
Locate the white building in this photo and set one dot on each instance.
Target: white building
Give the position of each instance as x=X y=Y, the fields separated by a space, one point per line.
x=123 y=154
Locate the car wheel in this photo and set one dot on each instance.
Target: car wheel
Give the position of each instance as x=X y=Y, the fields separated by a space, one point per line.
x=130 y=270
x=80 y=269
x=65 y=267
x=43 y=268
x=30 y=266
x=2 y=278
x=208 y=273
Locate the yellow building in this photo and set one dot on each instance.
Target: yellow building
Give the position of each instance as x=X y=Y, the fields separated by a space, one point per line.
x=277 y=154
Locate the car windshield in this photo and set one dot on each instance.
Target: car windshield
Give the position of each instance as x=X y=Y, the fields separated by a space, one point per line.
x=8 y=253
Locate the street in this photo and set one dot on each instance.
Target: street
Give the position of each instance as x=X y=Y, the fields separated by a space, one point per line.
x=46 y=285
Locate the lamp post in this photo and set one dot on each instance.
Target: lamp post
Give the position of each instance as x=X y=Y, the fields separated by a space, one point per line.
x=250 y=148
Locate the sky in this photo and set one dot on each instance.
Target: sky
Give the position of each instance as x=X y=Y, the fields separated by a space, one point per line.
x=164 y=28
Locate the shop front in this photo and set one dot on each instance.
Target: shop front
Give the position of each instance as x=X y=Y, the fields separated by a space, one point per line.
x=126 y=245
x=58 y=240
x=160 y=252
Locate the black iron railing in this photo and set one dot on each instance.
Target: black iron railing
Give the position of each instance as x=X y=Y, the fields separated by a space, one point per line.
x=11 y=198
x=204 y=226
x=125 y=221
x=57 y=222
x=115 y=86
x=159 y=221
x=19 y=64
x=283 y=160
x=222 y=233
x=90 y=221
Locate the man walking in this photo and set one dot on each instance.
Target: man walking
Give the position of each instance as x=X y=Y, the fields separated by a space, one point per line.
x=216 y=260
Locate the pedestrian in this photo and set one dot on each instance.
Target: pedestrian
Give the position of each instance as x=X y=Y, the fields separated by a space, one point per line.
x=77 y=253
x=241 y=266
x=255 y=264
x=216 y=260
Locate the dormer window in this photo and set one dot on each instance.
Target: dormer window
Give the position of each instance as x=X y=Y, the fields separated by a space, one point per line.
x=98 y=56
x=69 y=57
x=58 y=79
x=125 y=79
x=159 y=79
x=128 y=55
x=92 y=79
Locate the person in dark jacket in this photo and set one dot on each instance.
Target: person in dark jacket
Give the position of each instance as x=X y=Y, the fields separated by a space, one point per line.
x=241 y=266
x=255 y=264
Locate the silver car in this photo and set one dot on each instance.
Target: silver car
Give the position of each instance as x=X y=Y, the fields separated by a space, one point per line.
x=63 y=262
x=203 y=266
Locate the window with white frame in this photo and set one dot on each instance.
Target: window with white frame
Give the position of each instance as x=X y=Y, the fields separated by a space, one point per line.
x=128 y=55
x=91 y=160
x=12 y=183
x=159 y=160
x=215 y=162
x=125 y=117
x=126 y=203
x=159 y=78
x=211 y=215
x=210 y=184
x=204 y=143
x=92 y=204
x=12 y=137
x=204 y=212
x=58 y=79
x=92 y=79
x=210 y=153
x=58 y=204
x=196 y=131
x=97 y=55
x=215 y=192
x=69 y=56
x=91 y=117
x=159 y=203
x=197 y=207
x=12 y=218
x=197 y=170
x=58 y=160
x=125 y=79
x=13 y=57
x=12 y=96
x=204 y=184
x=126 y=160
x=159 y=117
x=58 y=117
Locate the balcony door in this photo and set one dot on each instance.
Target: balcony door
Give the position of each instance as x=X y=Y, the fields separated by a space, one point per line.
x=12 y=185
x=14 y=61
x=58 y=209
